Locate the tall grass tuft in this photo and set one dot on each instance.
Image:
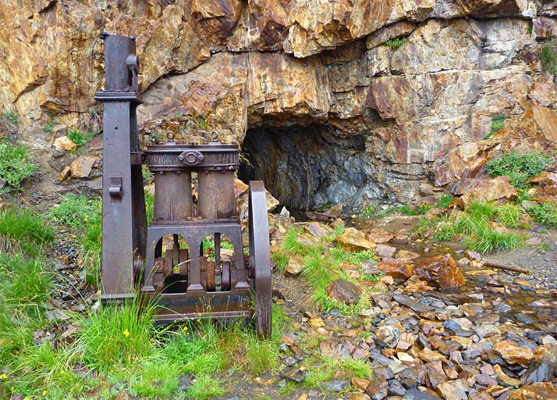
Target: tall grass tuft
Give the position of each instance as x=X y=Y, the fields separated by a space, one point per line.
x=118 y=334
x=23 y=231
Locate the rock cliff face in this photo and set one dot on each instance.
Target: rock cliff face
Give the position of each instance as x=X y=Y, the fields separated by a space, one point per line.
x=349 y=101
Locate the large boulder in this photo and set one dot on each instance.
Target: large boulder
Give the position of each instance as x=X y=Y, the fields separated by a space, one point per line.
x=440 y=270
x=495 y=189
x=343 y=291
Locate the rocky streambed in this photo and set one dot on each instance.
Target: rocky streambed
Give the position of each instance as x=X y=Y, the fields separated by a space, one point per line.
x=440 y=324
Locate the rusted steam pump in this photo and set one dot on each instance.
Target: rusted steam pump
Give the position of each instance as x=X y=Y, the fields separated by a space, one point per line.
x=167 y=260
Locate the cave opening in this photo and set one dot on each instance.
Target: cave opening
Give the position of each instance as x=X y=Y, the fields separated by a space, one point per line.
x=308 y=167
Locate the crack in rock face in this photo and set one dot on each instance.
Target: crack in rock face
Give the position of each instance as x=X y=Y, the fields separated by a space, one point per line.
x=308 y=167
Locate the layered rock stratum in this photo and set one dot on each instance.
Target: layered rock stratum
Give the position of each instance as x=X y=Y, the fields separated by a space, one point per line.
x=329 y=108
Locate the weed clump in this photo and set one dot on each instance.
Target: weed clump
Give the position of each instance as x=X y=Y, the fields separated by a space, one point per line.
x=78 y=138
x=74 y=210
x=15 y=166
x=545 y=214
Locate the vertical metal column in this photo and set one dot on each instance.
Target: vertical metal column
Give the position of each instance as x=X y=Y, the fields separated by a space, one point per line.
x=124 y=221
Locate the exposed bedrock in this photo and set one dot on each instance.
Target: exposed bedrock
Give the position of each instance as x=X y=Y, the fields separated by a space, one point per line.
x=321 y=82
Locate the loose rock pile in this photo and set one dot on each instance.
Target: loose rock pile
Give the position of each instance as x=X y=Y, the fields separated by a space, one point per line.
x=433 y=330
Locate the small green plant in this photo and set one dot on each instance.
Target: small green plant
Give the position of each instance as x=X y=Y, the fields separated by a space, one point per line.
x=407 y=210
x=497 y=123
x=530 y=28
x=445 y=201
x=118 y=334
x=545 y=214
x=395 y=43
x=74 y=210
x=78 y=138
x=544 y=247
x=509 y=215
x=15 y=166
x=424 y=207
x=202 y=123
x=519 y=167
x=155 y=137
x=548 y=58
x=49 y=126
x=12 y=117
x=367 y=213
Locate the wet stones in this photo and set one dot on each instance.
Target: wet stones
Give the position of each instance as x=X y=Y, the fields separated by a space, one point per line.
x=396 y=269
x=387 y=336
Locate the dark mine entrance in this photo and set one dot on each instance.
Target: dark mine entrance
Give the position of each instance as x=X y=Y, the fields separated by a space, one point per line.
x=306 y=167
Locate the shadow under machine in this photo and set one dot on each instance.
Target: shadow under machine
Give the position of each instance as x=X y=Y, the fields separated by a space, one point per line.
x=169 y=261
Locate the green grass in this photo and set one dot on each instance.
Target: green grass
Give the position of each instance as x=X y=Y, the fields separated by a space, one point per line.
x=80 y=139
x=477 y=228
x=324 y=370
x=407 y=210
x=519 y=167
x=497 y=123
x=23 y=231
x=321 y=268
x=486 y=239
x=281 y=261
x=395 y=43
x=290 y=242
x=15 y=165
x=117 y=335
x=509 y=214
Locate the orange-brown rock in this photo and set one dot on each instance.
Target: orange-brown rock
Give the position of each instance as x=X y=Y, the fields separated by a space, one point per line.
x=547 y=182
x=440 y=270
x=354 y=240
x=535 y=391
x=343 y=291
x=63 y=143
x=378 y=236
x=514 y=353
x=396 y=269
x=495 y=189
x=537 y=124
x=81 y=166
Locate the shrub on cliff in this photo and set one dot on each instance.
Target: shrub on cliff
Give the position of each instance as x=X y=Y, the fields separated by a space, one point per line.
x=519 y=167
